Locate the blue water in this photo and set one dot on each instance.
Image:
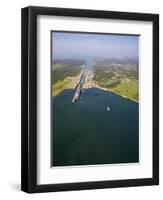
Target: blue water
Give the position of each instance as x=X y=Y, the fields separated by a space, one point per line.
x=86 y=133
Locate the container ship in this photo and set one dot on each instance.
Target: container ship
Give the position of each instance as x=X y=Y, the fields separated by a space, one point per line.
x=77 y=94
x=79 y=87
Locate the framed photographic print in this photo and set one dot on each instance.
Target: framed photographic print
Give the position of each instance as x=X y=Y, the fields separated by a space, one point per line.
x=90 y=99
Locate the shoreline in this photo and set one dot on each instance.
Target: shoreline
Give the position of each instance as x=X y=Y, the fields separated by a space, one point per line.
x=95 y=85
x=72 y=81
x=88 y=84
x=107 y=90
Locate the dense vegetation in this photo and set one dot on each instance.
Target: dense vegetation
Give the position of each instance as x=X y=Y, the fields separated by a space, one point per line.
x=119 y=78
x=61 y=70
x=64 y=68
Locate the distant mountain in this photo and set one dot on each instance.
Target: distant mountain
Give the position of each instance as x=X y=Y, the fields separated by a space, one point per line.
x=115 y=60
x=71 y=62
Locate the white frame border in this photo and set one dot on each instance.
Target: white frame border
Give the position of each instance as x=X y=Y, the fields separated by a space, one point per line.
x=48 y=175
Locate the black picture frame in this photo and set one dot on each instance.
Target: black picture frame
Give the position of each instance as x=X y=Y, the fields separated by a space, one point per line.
x=29 y=99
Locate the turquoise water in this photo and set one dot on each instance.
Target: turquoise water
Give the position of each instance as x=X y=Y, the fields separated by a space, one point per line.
x=86 y=133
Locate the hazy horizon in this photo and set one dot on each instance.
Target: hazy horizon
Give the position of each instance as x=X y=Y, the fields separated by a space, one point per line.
x=73 y=45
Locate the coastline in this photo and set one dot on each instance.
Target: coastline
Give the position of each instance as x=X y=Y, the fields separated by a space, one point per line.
x=68 y=83
x=89 y=83
x=102 y=88
x=94 y=84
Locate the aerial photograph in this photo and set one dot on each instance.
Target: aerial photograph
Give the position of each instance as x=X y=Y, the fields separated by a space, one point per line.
x=94 y=98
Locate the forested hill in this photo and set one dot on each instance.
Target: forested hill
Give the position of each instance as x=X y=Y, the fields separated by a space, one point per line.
x=121 y=77
x=64 y=73
x=64 y=68
x=115 y=60
x=68 y=62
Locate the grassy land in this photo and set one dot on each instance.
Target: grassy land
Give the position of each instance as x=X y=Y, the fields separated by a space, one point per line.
x=129 y=89
x=60 y=86
x=64 y=77
x=122 y=80
x=61 y=71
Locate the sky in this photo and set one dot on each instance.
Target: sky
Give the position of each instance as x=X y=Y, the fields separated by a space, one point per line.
x=84 y=45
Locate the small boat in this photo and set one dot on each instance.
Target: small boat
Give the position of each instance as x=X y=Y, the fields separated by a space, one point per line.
x=108 y=108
